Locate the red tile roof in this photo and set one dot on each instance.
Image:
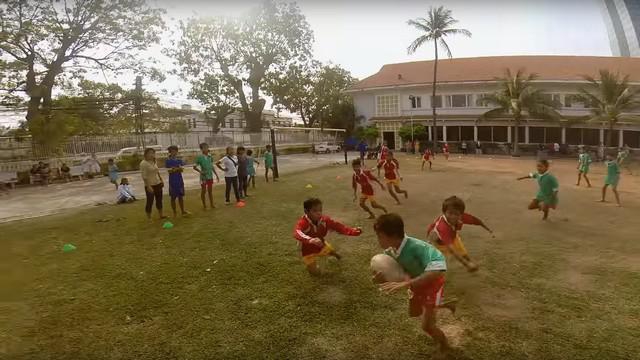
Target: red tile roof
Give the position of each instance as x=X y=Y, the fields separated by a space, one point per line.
x=562 y=68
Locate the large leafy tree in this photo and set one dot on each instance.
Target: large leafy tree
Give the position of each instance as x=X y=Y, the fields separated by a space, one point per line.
x=438 y=25
x=218 y=98
x=608 y=98
x=243 y=53
x=44 y=41
x=517 y=98
x=316 y=93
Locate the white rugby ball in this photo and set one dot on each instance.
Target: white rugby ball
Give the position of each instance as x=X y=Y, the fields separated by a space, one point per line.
x=388 y=267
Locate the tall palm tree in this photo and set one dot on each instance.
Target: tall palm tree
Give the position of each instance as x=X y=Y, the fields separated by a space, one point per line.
x=436 y=28
x=516 y=97
x=608 y=99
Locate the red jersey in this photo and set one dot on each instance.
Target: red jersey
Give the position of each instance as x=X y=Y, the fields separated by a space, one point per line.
x=383 y=152
x=445 y=148
x=427 y=154
x=306 y=230
x=390 y=167
x=447 y=232
x=363 y=178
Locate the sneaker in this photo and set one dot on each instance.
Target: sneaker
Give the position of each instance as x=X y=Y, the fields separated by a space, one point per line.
x=227 y=203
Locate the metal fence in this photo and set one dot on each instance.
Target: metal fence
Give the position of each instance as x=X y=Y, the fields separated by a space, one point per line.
x=17 y=153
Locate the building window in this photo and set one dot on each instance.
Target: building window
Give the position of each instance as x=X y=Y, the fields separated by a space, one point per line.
x=416 y=101
x=482 y=104
x=457 y=101
x=387 y=105
x=436 y=101
x=553 y=98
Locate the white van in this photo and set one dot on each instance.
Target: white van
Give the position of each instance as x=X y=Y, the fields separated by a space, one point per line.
x=130 y=151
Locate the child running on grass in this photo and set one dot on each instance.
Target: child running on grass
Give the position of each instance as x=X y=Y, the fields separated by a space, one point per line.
x=426 y=157
x=364 y=178
x=547 y=196
x=268 y=163
x=612 y=179
x=251 y=170
x=204 y=166
x=584 y=161
x=443 y=232
x=175 y=168
x=426 y=267
x=392 y=176
x=113 y=170
x=445 y=150
x=311 y=230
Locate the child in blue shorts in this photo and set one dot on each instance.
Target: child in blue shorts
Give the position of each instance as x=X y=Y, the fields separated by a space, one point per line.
x=174 y=166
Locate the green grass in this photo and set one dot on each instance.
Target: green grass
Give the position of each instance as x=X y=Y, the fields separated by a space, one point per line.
x=132 y=290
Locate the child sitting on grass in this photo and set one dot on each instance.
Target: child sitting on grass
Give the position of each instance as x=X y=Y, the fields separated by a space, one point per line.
x=125 y=194
x=311 y=230
x=426 y=267
x=547 y=196
x=443 y=232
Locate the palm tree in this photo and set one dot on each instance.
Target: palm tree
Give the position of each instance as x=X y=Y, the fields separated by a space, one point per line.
x=517 y=98
x=608 y=99
x=436 y=29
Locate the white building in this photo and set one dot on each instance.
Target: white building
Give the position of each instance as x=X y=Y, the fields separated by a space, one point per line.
x=399 y=94
x=269 y=118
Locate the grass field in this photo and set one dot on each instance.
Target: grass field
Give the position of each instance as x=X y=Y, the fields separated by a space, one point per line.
x=229 y=283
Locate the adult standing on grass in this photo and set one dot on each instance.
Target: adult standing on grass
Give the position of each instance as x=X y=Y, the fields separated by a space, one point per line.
x=230 y=168
x=153 y=183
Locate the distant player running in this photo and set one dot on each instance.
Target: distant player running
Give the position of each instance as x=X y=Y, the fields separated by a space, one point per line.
x=364 y=178
x=426 y=157
x=547 y=196
x=612 y=179
x=392 y=176
x=584 y=161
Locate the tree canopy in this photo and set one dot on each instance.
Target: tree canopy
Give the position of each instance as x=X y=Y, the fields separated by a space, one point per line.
x=243 y=53
x=42 y=41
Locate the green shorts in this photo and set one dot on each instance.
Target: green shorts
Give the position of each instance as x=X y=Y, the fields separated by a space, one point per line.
x=612 y=180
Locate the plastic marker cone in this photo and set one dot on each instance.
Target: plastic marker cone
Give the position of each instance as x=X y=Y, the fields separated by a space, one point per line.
x=309 y=186
x=240 y=204
x=68 y=248
x=167 y=225
x=338 y=177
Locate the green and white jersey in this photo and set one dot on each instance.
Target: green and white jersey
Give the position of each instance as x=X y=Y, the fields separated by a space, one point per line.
x=548 y=186
x=584 y=161
x=416 y=256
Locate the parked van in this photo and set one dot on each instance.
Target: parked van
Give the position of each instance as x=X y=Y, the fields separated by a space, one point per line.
x=130 y=151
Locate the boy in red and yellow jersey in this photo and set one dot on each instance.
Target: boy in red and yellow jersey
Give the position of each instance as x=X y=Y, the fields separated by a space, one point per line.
x=392 y=176
x=311 y=230
x=443 y=232
x=364 y=178
x=426 y=157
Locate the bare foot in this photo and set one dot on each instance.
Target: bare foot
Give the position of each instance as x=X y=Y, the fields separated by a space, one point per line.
x=601 y=200
x=186 y=213
x=406 y=195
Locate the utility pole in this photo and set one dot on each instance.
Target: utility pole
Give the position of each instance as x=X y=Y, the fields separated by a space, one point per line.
x=275 y=154
x=139 y=123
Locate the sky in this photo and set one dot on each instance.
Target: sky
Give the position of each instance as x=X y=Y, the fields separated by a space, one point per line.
x=363 y=35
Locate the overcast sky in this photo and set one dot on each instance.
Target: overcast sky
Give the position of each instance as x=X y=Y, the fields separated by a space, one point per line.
x=363 y=35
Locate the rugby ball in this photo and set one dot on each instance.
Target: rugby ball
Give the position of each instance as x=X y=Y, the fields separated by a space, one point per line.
x=388 y=267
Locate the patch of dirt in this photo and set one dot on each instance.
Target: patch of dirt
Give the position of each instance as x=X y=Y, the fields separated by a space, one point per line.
x=575 y=279
x=503 y=304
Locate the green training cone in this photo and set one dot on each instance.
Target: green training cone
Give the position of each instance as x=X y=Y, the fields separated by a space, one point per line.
x=68 y=248
x=167 y=225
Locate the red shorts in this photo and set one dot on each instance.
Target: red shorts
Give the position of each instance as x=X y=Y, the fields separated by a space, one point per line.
x=426 y=158
x=206 y=183
x=428 y=296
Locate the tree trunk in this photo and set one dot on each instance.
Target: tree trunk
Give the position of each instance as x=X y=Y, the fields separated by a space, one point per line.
x=434 y=133
x=516 y=135
x=610 y=134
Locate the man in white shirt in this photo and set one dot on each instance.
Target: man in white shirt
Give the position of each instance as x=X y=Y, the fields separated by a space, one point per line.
x=229 y=164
